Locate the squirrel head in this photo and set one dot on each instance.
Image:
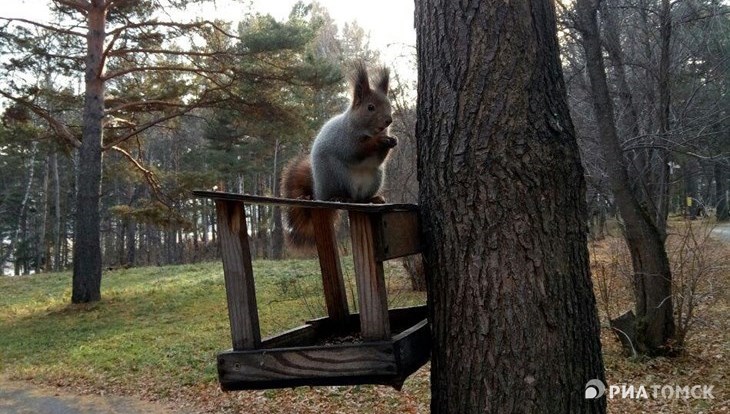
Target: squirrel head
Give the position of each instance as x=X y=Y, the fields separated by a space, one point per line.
x=370 y=110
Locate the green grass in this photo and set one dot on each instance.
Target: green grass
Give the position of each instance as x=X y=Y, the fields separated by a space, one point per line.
x=157 y=331
x=160 y=326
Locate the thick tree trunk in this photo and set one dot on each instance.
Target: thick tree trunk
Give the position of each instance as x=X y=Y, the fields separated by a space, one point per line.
x=652 y=275
x=502 y=194
x=87 y=249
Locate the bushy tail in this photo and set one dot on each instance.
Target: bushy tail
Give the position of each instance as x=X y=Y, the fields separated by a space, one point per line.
x=296 y=182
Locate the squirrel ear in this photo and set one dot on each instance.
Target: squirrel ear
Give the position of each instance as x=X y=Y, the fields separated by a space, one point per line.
x=360 y=83
x=382 y=81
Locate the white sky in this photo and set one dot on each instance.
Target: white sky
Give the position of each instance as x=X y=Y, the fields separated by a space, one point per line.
x=389 y=22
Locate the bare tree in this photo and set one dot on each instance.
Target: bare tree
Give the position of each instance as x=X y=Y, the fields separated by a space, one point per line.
x=653 y=326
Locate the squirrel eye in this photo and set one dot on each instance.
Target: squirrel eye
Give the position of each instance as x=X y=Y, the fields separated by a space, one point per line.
x=371 y=107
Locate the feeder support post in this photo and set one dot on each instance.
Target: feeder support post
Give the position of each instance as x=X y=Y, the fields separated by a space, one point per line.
x=238 y=274
x=372 y=296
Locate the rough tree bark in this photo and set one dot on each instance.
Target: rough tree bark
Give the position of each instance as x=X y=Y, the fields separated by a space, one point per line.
x=502 y=194
x=653 y=322
x=87 y=243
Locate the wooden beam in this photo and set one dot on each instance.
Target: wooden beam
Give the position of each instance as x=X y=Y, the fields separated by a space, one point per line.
x=304 y=335
x=397 y=235
x=238 y=275
x=289 y=367
x=372 y=296
x=335 y=296
x=254 y=199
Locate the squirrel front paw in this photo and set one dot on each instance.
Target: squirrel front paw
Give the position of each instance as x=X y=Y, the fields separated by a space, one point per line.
x=377 y=199
x=388 y=142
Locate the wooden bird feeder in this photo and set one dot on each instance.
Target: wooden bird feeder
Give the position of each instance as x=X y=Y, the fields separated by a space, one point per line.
x=383 y=346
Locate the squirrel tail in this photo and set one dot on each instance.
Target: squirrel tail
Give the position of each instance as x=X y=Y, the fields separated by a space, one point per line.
x=296 y=183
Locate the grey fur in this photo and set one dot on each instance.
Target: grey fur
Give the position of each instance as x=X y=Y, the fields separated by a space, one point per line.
x=337 y=170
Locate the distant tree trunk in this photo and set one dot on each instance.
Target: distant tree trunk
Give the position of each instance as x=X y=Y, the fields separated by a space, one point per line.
x=654 y=320
x=708 y=175
x=691 y=196
x=721 y=211
x=416 y=272
x=87 y=246
x=502 y=195
x=41 y=252
x=649 y=182
x=59 y=239
x=277 y=230
x=15 y=240
x=131 y=239
x=659 y=185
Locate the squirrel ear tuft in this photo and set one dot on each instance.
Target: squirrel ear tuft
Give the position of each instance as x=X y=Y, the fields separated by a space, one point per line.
x=383 y=79
x=360 y=83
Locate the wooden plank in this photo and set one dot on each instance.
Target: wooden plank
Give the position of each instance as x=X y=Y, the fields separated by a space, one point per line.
x=253 y=199
x=326 y=365
x=335 y=295
x=398 y=235
x=304 y=335
x=403 y=317
x=412 y=350
x=372 y=296
x=238 y=274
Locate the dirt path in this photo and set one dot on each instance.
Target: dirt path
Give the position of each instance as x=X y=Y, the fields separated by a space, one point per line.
x=26 y=398
x=722 y=232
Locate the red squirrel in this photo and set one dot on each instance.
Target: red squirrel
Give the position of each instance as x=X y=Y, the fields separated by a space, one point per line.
x=347 y=158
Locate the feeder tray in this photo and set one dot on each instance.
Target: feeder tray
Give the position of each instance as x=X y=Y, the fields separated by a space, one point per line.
x=375 y=346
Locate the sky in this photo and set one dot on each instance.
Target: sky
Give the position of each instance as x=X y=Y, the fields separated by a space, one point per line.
x=389 y=22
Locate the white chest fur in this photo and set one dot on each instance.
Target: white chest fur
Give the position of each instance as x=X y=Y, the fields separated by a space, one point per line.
x=365 y=178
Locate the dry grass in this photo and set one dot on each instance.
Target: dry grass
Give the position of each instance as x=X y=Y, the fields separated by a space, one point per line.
x=701 y=272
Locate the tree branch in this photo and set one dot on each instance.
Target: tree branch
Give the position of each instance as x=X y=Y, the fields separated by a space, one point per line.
x=45 y=26
x=127 y=71
x=110 y=4
x=121 y=52
x=149 y=176
x=147 y=104
x=80 y=5
x=58 y=127
x=156 y=24
x=200 y=103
